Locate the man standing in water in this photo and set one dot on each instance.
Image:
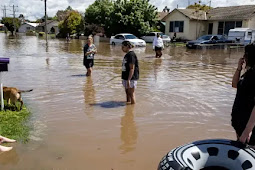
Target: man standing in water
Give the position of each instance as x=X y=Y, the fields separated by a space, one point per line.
x=158 y=45
x=89 y=52
x=130 y=71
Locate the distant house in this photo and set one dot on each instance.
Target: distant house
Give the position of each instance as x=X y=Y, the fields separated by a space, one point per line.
x=190 y=24
x=27 y=27
x=186 y=23
x=52 y=27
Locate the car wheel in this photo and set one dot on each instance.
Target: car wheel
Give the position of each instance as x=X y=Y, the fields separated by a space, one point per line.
x=113 y=43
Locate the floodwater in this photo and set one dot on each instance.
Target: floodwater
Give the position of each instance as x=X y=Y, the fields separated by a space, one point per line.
x=83 y=123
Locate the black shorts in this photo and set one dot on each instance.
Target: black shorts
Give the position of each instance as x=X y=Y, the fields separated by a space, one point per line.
x=158 y=48
x=88 y=63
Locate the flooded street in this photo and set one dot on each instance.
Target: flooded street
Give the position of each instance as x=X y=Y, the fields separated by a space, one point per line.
x=84 y=124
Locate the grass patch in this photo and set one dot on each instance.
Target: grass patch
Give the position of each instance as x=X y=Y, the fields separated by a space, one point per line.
x=178 y=44
x=13 y=124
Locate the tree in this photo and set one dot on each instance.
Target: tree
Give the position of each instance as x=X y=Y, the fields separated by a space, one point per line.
x=71 y=24
x=61 y=14
x=133 y=16
x=11 y=23
x=99 y=12
x=198 y=6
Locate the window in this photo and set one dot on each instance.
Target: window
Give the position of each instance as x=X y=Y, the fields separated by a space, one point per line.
x=176 y=26
x=225 y=26
x=239 y=24
x=220 y=28
x=119 y=37
x=28 y=28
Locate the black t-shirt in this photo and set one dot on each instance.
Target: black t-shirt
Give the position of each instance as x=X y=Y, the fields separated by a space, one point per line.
x=88 y=48
x=130 y=58
x=245 y=99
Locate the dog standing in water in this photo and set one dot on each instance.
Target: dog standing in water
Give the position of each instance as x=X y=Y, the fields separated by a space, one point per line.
x=12 y=95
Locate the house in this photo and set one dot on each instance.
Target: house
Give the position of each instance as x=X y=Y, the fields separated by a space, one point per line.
x=186 y=23
x=52 y=27
x=27 y=27
x=190 y=23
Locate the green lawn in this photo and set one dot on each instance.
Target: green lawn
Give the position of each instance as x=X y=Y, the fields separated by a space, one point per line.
x=13 y=124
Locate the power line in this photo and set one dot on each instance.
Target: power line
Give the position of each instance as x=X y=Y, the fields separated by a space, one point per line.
x=4 y=11
x=13 y=20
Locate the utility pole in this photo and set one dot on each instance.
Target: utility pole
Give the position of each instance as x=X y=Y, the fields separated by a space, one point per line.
x=13 y=20
x=45 y=19
x=210 y=3
x=4 y=11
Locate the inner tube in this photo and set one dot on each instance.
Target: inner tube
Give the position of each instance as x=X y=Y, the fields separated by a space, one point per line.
x=213 y=154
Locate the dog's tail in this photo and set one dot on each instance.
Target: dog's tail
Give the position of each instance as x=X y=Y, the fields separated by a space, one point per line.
x=23 y=91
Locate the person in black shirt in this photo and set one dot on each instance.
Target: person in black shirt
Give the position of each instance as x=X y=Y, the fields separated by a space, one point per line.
x=89 y=52
x=243 y=111
x=130 y=71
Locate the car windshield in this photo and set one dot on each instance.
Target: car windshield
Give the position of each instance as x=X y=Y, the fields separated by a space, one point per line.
x=205 y=37
x=130 y=36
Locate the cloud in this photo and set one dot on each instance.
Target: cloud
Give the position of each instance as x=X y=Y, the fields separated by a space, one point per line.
x=34 y=9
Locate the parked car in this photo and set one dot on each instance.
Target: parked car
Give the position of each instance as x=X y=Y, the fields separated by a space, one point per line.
x=150 y=37
x=208 y=39
x=119 y=38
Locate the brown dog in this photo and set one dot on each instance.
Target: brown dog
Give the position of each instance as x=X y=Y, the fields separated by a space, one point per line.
x=12 y=95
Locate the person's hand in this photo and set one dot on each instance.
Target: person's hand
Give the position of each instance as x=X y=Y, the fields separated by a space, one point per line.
x=128 y=84
x=245 y=137
x=240 y=63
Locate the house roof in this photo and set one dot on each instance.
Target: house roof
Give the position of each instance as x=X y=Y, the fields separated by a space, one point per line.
x=32 y=24
x=190 y=13
x=161 y=15
x=55 y=23
x=232 y=12
x=219 y=13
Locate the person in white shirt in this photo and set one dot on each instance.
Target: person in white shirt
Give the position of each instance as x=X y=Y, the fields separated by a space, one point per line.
x=158 y=45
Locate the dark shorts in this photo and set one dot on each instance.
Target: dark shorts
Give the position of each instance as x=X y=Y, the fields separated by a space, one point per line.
x=88 y=63
x=158 y=48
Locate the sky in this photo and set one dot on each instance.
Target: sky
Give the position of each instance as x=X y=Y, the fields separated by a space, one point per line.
x=34 y=9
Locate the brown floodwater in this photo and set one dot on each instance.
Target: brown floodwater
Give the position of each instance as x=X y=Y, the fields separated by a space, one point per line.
x=84 y=123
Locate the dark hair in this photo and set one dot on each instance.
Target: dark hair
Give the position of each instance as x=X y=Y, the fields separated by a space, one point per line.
x=127 y=44
x=250 y=54
x=158 y=34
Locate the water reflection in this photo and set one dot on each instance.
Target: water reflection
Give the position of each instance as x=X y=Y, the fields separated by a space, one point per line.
x=157 y=66
x=10 y=157
x=128 y=130
x=89 y=96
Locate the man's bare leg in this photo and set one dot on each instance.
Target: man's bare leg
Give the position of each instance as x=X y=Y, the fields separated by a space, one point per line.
x=131 y=92
x=128 y=97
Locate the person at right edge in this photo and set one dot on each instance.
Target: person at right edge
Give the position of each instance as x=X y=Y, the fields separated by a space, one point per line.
x=243 y=111
x=130 y=71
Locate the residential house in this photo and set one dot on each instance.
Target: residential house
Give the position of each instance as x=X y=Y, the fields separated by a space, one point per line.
x=52 y=27
x=26 y=27
x=190 y=23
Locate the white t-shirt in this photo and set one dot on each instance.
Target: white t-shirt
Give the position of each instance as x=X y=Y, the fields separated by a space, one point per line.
x=158 y=42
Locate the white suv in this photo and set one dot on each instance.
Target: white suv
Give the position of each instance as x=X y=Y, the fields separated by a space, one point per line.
x=150 y=37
